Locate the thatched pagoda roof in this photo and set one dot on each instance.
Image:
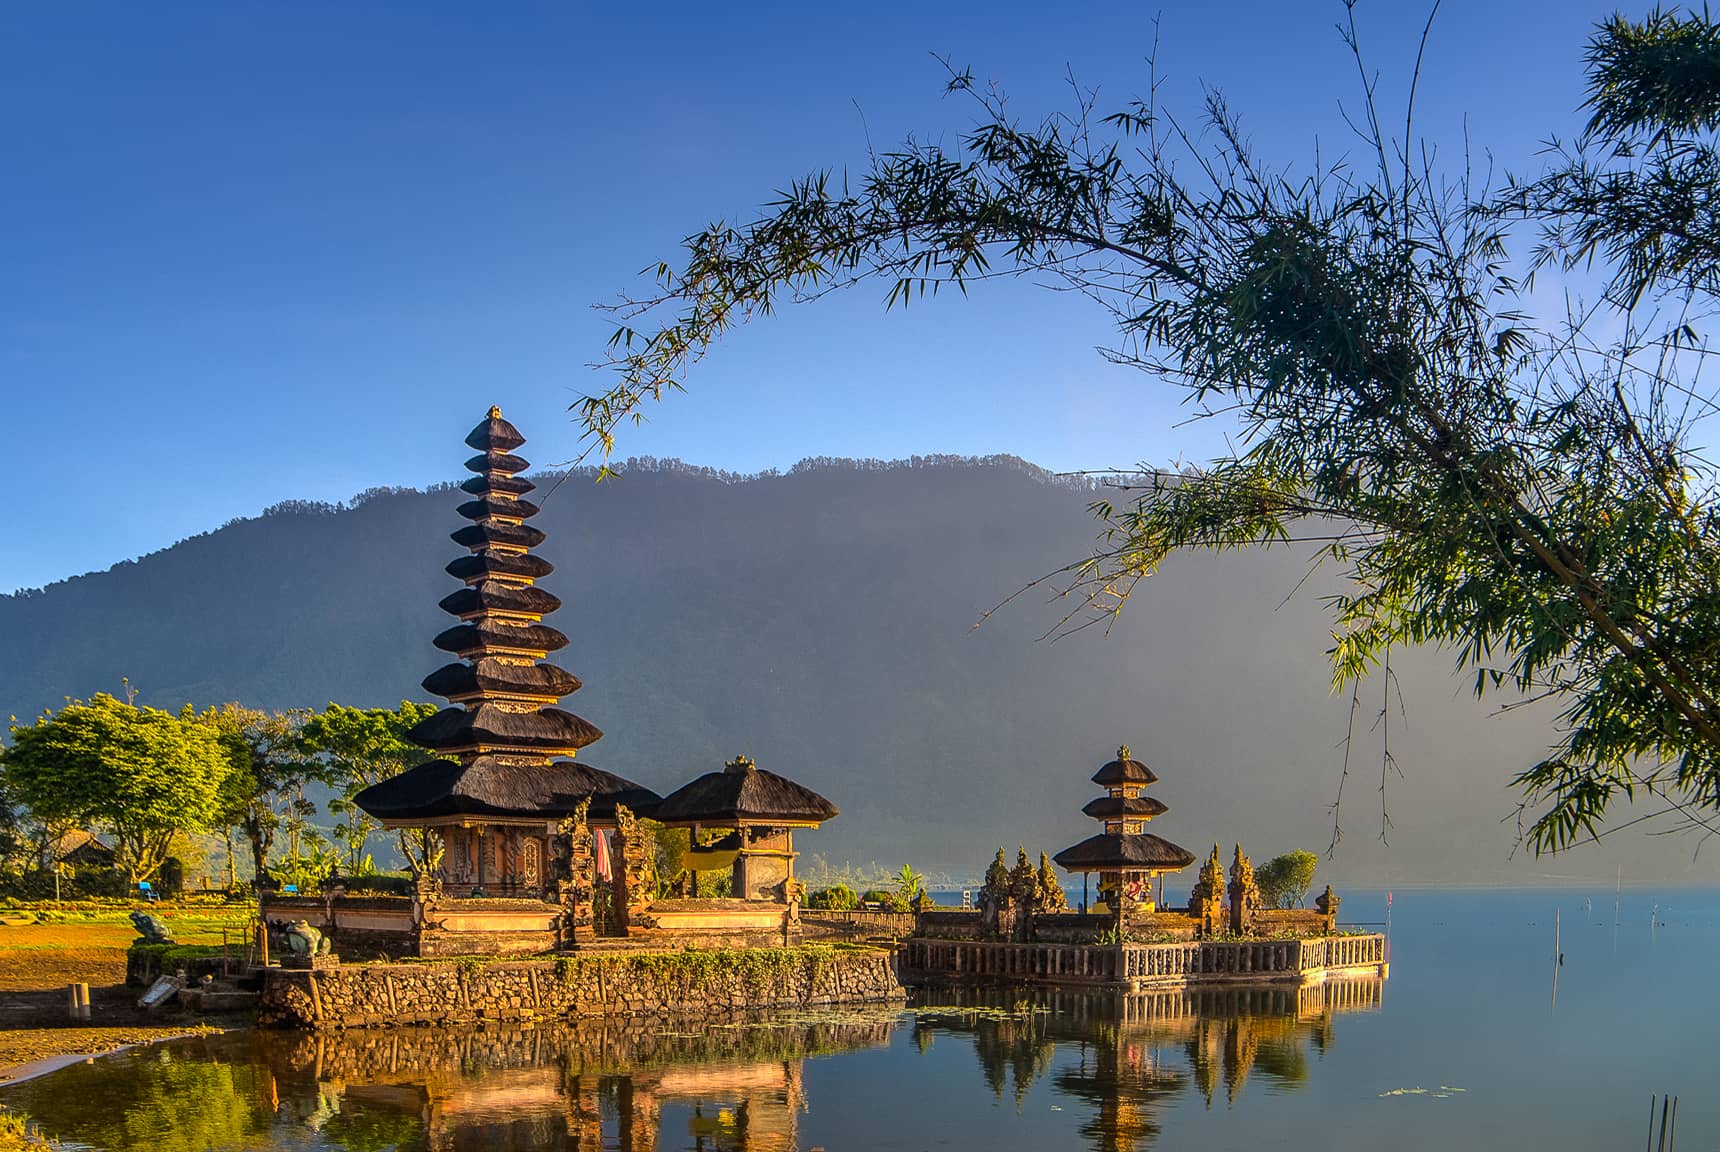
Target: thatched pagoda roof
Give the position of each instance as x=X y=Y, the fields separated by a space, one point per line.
x=487 y=563
x=490 y=676
x=499 y=532
x=1121 y=807
x=504 y=462
x=485 y=485
x=495 y=596
x=747 y=794
x=1112 y=852
x=488 y=505
x=1124 y=770
x=494 y=434
x=483 y=787
x=475 y=638
x=489 y=726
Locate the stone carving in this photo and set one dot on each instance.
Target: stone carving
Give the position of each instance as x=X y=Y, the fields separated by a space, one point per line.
x=1326 y=904
x=633 y=880
x=1206 y=899
x=1244 y=894
x=575 y=874
x=151 y=929
x=1048 y=894
x=301 y=939
x=994 y=899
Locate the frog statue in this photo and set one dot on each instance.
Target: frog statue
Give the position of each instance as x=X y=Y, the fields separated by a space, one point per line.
x=151 y=929
x=303 y=940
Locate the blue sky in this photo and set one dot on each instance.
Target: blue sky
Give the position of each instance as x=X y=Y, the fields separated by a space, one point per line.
x=255 y=252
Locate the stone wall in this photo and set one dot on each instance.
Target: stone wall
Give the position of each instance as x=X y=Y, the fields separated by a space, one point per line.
x=577 y=986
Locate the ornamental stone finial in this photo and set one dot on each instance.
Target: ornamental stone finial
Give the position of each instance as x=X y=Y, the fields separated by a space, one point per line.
x=1122 y=752
x=740 y=764
x=495 y=412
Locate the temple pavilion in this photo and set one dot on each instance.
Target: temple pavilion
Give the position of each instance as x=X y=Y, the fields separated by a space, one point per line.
x=505 y=777
x=1125 y=855
x=757 y=811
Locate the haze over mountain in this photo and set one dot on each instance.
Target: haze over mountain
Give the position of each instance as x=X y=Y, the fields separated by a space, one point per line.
x=822 y=621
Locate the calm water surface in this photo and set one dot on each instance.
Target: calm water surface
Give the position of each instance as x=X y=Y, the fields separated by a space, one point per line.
x=1464 y=1047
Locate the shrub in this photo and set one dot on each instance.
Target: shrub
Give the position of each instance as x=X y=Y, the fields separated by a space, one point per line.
x=889 y=901
x=836 y=898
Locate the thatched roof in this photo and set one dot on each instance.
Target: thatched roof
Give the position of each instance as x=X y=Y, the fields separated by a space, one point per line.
x=493 y=434
x=491 y=676
x=485 y=485
x=488 y=563
x=495 y=596
x=464 y=638
x=1118 y=807
x=488 y=726
x=497 y=506
x=1108 y=852
x=503 y=462
x=1124 y=770
x=745 y=793
x=495 y=532
x=444 y=788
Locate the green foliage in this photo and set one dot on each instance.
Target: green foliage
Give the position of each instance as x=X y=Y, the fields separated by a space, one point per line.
x=910 y=885
x=836 y=898
x=145 y=775
x=358 y=747
x=1284 y=880
x=886 y=899
x=264 y=792
x=1531 y=495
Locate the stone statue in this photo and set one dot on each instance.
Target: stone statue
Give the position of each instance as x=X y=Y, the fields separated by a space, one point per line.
x=634 y=888
x=1206 y=899
x=575 y=872
x=1326 y=904
x=151 y=929
x=303 y=940
x=1244 y=894
x=1048 y=893
x=994 y=899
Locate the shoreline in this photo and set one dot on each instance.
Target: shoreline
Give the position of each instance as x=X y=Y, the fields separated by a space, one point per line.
x=80 y=1044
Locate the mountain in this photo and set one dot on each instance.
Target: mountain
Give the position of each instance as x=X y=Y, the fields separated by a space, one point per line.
x=823 y=621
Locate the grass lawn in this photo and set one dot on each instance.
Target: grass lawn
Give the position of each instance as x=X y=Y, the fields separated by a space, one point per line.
x=55 y=948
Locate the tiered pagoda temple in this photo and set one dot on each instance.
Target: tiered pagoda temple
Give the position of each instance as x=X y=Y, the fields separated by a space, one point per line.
x=1125 y=855
x=759 y=810
x=506 y=778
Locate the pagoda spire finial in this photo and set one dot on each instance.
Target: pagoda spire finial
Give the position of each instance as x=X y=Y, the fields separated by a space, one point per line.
x=1123 y=752
x=740 y=764
x=495 y=412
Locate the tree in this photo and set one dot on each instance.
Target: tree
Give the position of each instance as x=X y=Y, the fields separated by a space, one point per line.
x=358 y=747
x=269 y=773
x=910 y=885
x=1528 y=494
x=142 y=773
x=1284 y=880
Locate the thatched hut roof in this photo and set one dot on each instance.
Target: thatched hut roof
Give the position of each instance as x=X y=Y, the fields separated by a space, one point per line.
x=743 y=793
x=442 y=789
x=490 y=726
x=487 y=563
x=1125 y=807
x=491 y=676
x=1124 y=770
x=1111 y=852
x=495 y=596
x=493 y=434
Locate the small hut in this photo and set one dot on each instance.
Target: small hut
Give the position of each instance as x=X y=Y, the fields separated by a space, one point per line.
x=758 y=811
x=1126 y=856
x=507 y=778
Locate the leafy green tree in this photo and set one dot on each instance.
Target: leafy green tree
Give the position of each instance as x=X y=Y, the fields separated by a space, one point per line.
x=145 y=775
x=1530 y=494
x=268 y=777
x=358 y=747
x=910 y=885
x=1284 y=880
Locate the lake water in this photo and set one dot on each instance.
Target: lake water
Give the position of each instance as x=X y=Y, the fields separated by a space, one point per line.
x=1464 y=1047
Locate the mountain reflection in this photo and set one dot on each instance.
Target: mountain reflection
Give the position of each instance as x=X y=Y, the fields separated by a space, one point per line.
x=1115 y=1060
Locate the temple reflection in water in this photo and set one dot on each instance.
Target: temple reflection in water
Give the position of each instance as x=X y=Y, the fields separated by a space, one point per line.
x=1114 y=1061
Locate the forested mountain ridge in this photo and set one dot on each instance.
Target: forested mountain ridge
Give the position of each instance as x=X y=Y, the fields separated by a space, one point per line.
x=822 y=621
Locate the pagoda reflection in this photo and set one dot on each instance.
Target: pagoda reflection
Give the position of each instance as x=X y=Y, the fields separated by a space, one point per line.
x=1126 y=1057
